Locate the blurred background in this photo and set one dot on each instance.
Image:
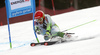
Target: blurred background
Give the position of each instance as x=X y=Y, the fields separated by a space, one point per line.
x=51 y=7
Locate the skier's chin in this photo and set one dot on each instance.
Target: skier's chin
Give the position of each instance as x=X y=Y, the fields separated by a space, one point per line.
x=41 y=22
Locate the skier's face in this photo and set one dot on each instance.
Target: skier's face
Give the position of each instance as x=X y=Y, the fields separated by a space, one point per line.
x=40 y=20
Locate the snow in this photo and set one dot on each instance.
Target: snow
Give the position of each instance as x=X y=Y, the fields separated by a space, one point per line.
x=22 y=35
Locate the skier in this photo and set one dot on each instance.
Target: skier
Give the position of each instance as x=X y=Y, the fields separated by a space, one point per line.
x=45 y=26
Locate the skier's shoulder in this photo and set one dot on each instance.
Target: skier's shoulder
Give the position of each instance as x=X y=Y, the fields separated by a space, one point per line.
x=47 y=15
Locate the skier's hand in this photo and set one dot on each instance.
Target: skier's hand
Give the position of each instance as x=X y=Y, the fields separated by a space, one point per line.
x=47 y=36
x=47 y=33
x=38 y=31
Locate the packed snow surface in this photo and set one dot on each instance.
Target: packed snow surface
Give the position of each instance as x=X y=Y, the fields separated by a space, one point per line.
x=86 y=24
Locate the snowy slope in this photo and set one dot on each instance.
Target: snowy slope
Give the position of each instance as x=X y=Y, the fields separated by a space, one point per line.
x=22 y=35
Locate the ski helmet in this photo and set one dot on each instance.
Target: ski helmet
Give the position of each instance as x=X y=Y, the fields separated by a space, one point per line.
x=39 y=14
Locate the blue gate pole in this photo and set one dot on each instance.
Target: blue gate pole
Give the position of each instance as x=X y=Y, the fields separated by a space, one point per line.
x=9 y=33
x=33 y=21
x=6 y=2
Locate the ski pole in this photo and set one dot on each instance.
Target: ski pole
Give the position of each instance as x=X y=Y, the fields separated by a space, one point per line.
x=75 y=27
x=79 y=25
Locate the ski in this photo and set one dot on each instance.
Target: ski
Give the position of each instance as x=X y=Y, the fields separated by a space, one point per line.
x=44 y=43
x=58 y=42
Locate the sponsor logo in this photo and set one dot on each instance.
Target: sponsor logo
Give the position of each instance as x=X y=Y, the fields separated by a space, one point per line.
x=20 y=1
x=21 y=12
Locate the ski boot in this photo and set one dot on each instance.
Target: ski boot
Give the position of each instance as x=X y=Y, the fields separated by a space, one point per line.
x=68 y=37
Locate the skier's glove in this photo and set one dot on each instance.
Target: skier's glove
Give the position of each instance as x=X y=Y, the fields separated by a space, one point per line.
x=47 y=33
x=38 y=31
x=46 y=37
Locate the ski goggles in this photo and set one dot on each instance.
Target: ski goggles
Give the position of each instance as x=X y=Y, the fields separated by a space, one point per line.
x=39 y=20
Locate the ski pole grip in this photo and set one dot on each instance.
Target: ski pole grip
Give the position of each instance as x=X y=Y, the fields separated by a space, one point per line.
x=70 y=33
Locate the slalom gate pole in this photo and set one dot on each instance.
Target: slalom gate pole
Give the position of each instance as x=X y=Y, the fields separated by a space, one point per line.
x=34 y=24
x=53 y=7
x=1 y=24
x=39 y=4
x=6 y=2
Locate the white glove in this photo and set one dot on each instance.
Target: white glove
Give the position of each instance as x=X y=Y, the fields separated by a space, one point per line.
x=47 y=36
x=37 y=30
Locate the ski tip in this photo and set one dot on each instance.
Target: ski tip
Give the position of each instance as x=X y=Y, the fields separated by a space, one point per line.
x=32 y=44
x=45 y=43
